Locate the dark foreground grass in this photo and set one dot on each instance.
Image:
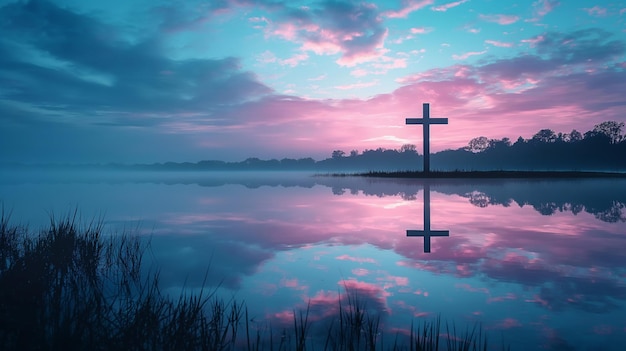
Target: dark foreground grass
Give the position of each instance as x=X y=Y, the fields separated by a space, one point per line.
x=71 y=288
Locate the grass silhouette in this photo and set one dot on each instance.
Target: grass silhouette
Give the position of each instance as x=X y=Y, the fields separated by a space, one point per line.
x=72 y=288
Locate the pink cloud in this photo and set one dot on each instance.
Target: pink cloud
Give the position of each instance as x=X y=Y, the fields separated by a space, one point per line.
x=294 y=60
x=508 y=296
x=360 y=272
x=292 y=283
x=500 y=19
x=369 y=289
x=534 y=40
x=355 y=31
x=499 y=43
x=397 y=281
x=470 y=288
x=325 y=297
x=421 y=30
x=468 y=54
x=543 y=7
x=409 y=6
x=596 y=11
x=359 y=72
x=260 y=20
x=284 y=317
x=346 y=257
x=446 y=7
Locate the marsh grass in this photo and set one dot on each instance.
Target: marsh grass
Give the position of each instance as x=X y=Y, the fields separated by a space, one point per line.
x=73 y=288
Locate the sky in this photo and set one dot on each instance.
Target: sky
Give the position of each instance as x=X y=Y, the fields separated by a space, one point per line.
x=153 y=81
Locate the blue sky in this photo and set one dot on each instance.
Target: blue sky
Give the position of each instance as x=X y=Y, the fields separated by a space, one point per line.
x=146 y=81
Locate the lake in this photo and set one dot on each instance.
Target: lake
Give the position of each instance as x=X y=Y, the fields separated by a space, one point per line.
x=537 y=264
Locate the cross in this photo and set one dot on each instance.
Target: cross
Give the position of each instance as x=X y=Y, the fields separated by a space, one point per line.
x=427 y=232
x=426 y=121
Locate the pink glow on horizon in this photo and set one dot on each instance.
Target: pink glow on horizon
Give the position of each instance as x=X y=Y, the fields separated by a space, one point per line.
x=454 y=93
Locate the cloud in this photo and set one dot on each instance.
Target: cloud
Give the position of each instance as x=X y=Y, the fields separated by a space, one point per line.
x=359 y=72
x=421 y=30
x=596 y=11
x=500 y=19
x=468 y=54
x=354 y=30
x=294 y=60
x=446 y=7
x=499 y=43
x=138 y=76
x=267 y=57
x=580 y=46
x=408 y=6
x=83 y=82
x=319 y=78
x=346 y=257
x=543 y=7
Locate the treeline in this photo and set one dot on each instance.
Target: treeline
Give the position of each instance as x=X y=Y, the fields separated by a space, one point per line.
x=601 y=149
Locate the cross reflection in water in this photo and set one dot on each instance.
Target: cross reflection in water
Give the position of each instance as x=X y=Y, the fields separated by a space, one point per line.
x=427 y=232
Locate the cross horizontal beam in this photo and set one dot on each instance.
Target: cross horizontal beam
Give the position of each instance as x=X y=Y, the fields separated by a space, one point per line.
x=426 y=121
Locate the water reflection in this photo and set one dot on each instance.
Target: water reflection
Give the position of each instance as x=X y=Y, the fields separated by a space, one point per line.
x=427 y=233
x=530 y=258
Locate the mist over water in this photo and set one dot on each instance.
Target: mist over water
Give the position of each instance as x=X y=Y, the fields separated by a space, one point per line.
x=538 y=262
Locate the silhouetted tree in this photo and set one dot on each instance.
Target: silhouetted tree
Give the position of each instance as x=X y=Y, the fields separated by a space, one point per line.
x=354 y=153
x=545 y=136
x=612 y=129
x=479 y=144
x=408 y=148
x=338 y=154
x=498 y=144
x=575 y=136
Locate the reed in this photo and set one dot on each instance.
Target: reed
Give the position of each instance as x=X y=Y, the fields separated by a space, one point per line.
x=73 y=288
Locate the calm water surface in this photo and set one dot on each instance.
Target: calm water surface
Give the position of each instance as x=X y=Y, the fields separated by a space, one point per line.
x=541 y=264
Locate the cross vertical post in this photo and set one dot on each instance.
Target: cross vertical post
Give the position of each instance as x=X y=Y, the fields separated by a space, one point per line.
x=427 y=233
x=426 y=121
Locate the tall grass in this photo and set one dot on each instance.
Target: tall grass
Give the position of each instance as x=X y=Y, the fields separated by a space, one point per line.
x=72 y=288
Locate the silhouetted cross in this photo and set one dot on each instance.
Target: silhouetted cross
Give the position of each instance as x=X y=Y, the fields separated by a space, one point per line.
x=427 y=232
x=426 y=121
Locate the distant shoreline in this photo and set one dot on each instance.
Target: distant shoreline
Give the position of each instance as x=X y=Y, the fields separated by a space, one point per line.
x=487 y=174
